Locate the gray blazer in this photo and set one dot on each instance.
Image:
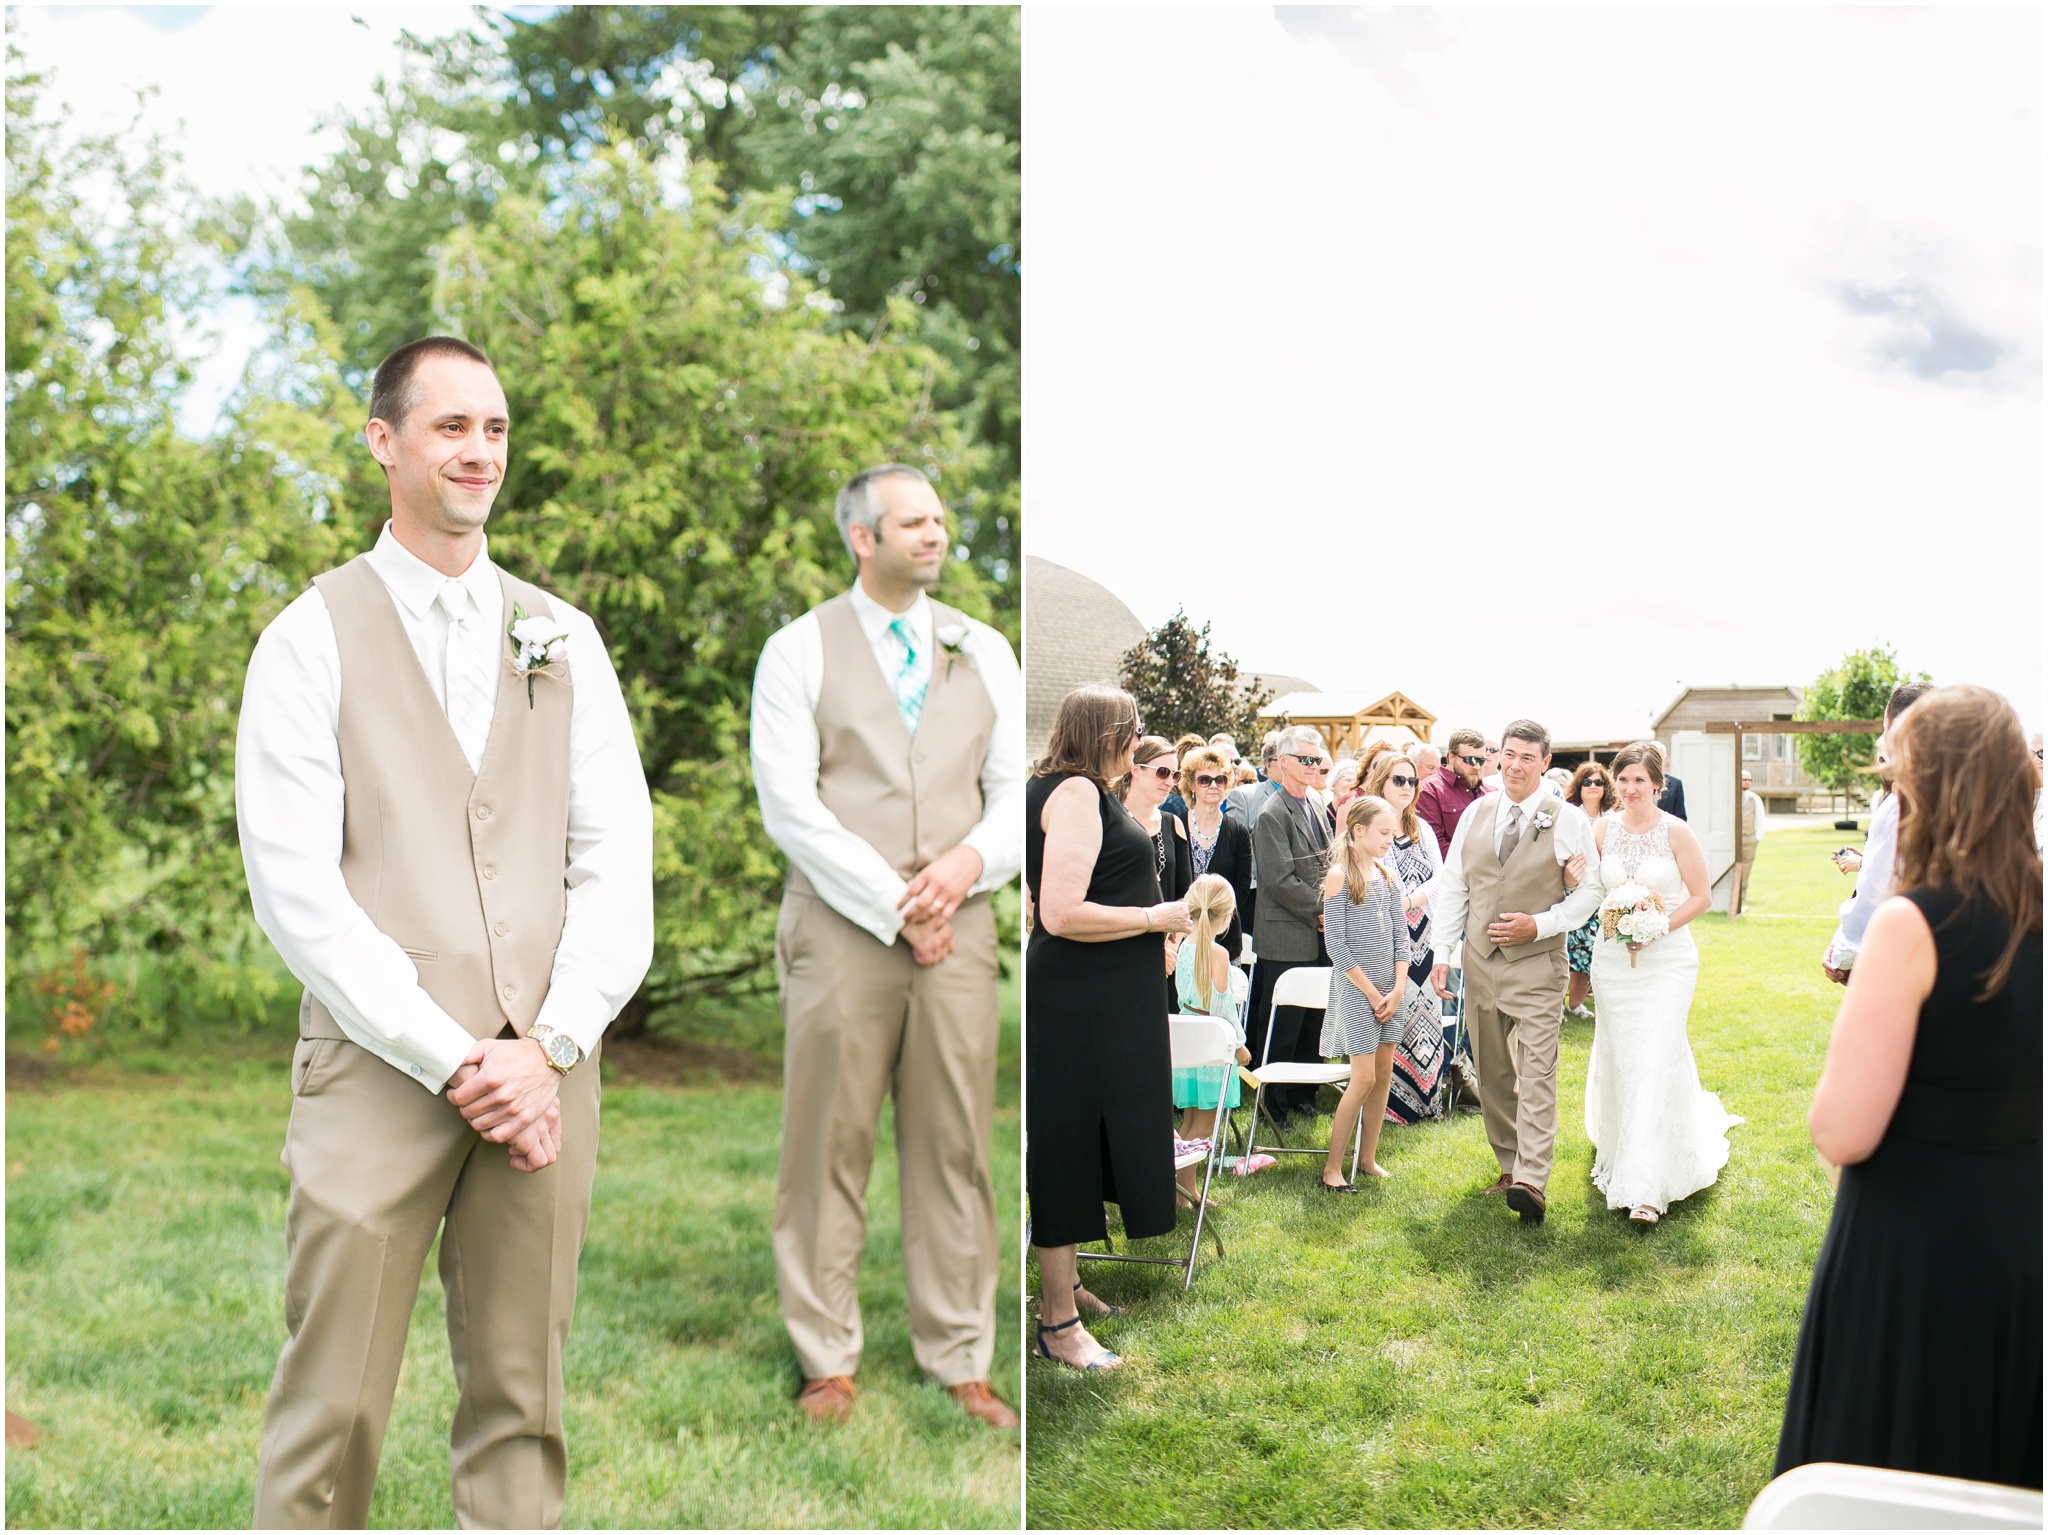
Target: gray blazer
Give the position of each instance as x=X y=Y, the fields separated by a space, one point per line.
x=1290 y=879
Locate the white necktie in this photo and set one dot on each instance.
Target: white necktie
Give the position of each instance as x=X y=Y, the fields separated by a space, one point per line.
x=467 y=683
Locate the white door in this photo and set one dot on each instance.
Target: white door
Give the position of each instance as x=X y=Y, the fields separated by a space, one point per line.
x=1706 y=764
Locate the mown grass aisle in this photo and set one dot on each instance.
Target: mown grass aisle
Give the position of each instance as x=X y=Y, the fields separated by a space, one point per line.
x=1415 y=1357
x=145 y=1258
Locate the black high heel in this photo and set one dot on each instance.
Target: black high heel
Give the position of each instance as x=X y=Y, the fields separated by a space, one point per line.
x=1102 y=1361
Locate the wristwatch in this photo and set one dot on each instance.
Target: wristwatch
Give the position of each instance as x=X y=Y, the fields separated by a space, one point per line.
x=562 y=1052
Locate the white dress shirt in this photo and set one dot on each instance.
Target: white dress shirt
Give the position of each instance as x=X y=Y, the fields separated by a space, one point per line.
x=1873 y=884
x=288 y=803
x=847 y=872
x=1570 y=837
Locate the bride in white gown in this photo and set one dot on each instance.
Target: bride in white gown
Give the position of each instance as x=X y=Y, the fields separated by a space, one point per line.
x=1657 y=1134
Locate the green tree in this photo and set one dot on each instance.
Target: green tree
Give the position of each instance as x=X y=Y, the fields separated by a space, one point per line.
x=1181 y=685
x=680 y=430
x=141 y=566
x=1855 y=688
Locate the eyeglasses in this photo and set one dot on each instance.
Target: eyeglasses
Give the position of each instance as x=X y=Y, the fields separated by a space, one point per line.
x=1471 y=761
x=1401 y=779
x=1210 y=780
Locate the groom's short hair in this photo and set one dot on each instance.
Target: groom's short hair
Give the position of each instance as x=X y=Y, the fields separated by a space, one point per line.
x=1527 y=730
x=858 y=502
x=392 y=394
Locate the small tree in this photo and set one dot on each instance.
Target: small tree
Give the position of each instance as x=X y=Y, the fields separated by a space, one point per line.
x=1181 y=685
x=1856 y=688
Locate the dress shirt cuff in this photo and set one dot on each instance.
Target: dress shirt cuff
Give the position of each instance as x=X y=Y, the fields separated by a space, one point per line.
x=1548 y=924
x=997 y=850
x=428 y=1051
x=577 y=1009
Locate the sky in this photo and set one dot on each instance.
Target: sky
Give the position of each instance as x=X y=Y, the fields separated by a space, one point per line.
x=1544 y=362
x=241 y=91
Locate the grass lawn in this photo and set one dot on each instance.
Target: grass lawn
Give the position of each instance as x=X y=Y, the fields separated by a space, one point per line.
x=1415 y=1357
x=145 y=1264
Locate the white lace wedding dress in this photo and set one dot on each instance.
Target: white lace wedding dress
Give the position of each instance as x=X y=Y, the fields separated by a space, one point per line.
x=1657 y=1134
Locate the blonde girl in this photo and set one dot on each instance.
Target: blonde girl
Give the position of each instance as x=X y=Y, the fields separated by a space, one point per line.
x=1367 y=935
x=1205 y=981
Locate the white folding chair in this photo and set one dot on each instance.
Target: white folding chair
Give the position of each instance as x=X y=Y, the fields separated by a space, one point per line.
x=1827 y=1496
x=1304 y=986
x=1195 y=1039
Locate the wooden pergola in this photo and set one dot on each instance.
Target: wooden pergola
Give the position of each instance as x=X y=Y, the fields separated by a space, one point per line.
x=1344 y=720
x=1738 y=729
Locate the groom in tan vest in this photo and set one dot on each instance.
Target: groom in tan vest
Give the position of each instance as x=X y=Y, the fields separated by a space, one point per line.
x=888 y=754
x=1510 y=892
x=447 y=836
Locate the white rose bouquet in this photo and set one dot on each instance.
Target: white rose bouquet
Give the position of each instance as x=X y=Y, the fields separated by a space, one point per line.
x=1632 y=913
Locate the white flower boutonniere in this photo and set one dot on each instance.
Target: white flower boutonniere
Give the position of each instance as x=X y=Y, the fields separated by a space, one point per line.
x=952 y=640
x=1543 y=820
x=540 y=647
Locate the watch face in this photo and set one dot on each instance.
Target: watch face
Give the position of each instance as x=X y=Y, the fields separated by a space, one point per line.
x=562 y=1050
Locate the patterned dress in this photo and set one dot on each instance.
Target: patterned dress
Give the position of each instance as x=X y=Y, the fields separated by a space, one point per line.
x=1416 y=1092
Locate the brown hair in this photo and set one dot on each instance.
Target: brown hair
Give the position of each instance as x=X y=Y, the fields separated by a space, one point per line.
x=1148 y=749
x=1527 y=730
x=1211 y=902
x=1465 y=736
x=392 y=395
x=1187 y=742
x=1362 y=811
x=1650 y=754
x=1588 y=771
x=1965 y=780
x=1089 y=733
x=1194 y=762
x=1376 y=786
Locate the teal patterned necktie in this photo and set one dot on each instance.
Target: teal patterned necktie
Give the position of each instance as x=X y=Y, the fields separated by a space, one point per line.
x=909 y=685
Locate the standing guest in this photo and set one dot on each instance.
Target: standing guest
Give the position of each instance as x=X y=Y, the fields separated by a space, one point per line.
x=1243 y=775
x=1592 y=790
x=1920 y=1349
x=1173 y=804
x=1226 y=745
x=1205 y=981
x=1427 y=760
x=1217 y=843
x=1745 y=852
x=1874 y=868
x=1672 y=800
x=2040 y=794
x=1343 y=784
x=387 y=755
x=1319 y=779
x=1491 y=777
x=1152 y=776
x=1416 y=862
x=889 y=774
x=1373 y=1001
x=1098 y=1101
x=1247 y=800
x=1445 y=797
x=1558 y=778
x=1290 y=841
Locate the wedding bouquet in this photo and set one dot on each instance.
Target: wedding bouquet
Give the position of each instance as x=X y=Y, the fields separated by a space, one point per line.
x=1632 y=913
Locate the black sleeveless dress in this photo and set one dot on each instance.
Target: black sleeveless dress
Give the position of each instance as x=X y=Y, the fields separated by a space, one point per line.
x=1098 y=1086
x=1920 y=1349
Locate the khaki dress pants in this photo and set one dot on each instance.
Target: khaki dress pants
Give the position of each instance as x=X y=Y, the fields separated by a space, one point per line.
x=378 y=1166
x=861 y=1020
x=1514 y=1007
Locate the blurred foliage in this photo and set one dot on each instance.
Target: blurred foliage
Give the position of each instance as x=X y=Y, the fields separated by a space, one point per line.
x=1856 y=688
x=1182 y=686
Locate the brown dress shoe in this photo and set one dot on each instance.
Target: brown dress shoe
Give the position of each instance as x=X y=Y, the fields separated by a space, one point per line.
x=1498 y=1186
x=828 y=1399
x=1526 y=1200
x=977 y=1400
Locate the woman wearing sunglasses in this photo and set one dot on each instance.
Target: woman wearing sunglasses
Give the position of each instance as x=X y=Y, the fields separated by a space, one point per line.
x=1217 y=843
x=1153 y=773
x=1415 y=861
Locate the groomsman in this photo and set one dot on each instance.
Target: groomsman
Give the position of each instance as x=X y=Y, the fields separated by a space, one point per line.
x=460 y=874
x=888 y=752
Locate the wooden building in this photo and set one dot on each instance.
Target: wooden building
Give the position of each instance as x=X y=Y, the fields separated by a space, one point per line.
x=1771 y=760
x=1075 y=632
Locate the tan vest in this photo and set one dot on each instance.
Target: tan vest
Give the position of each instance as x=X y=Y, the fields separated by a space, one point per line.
x=1531 y=881
x=909 y=797
x=466 y=870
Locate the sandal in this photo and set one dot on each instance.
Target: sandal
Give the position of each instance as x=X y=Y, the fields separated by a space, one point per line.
x=1102 y=1361
x=1642 y=1215
x=1107 y=1308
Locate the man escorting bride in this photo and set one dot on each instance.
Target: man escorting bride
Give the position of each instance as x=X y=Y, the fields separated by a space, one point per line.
x=1522 y=871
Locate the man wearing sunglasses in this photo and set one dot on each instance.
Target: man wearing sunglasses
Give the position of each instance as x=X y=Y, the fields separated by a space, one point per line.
x=1446 y=794
x=1290 y=843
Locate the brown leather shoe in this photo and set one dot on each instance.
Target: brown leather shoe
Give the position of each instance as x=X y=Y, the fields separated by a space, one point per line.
x=828 y=1399
x=978 y=1400
x=1526 y=1200
x=1498 y=1186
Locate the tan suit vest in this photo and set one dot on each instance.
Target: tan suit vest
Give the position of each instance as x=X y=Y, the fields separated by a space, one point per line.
x=910 y=797
x=1531 y=881
x=465 y=870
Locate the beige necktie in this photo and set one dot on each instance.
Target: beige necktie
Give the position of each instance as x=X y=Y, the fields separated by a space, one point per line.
x=1512 y=837
x=465 y=678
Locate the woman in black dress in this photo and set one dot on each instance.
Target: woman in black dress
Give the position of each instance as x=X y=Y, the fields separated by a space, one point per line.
x=1218 y=841
x=1143 y=793
x=1098 y=1097
x=1920 y=1349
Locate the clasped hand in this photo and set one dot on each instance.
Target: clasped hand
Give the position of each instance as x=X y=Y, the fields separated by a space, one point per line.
x=1511 y=929
x=508 y=1092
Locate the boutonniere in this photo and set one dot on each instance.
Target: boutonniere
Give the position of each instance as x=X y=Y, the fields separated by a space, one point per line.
x=952 y=640
x=1543 y=820
x=540 y=647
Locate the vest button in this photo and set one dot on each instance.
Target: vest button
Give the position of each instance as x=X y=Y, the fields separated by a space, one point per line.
x=508 y=992
x=483 y=812
x=498 y=928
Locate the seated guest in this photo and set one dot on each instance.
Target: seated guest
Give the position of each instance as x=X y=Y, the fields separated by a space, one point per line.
x=1217 y=843
x=1205 y=981
x=1098 y=1103
x=1416 y=862
x=1456 y=785
x=1592 y=790
x=1920 y=1349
